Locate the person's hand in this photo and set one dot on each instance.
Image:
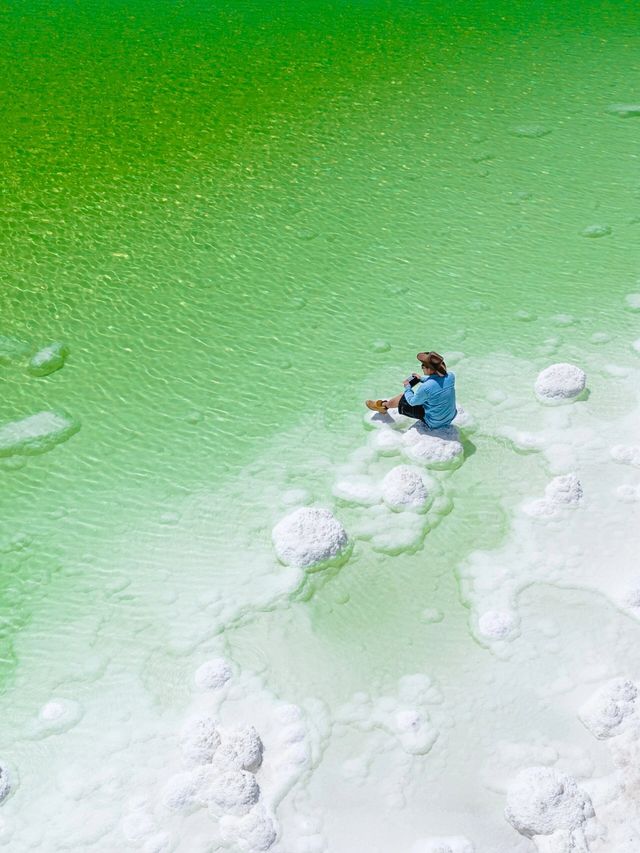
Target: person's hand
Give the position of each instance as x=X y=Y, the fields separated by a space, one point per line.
x=416 y=375
x=406 y=384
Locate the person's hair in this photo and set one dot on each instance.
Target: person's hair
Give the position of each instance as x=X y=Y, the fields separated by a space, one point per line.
x=436 y=362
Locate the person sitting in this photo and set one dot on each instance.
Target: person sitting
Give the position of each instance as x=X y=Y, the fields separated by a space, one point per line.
x=434 y=398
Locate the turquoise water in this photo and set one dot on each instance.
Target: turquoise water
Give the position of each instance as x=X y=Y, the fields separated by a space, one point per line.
x=243 y=221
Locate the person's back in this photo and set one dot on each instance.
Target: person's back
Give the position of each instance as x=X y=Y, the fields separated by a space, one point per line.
x=439 y=399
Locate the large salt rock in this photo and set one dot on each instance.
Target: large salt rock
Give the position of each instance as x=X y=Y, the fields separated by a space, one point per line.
x=404 y=488
x=435 y=448
x=36 y=433
x=560 y=382
x=541 y=801
x=199 y=739
x=241 y=749
x=611 y=709
x=48 y=359
x=232 y=792
x=309 y=536
x=453 y=844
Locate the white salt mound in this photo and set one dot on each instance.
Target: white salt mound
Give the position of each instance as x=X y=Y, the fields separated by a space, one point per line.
x=541 y=801
x=496 y=624
x=199 y=740
x=390 y=418
x=435 y=448
x=560 y=382
x=404 y=488
x=48 y=359
x=611 y=709
x=308 y=536
x=213 y=674
x=36 y=433
x=241 y=750
x=566 y=489
x=232 y=792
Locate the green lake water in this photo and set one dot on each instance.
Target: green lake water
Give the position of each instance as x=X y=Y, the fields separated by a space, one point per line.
x=243 y=219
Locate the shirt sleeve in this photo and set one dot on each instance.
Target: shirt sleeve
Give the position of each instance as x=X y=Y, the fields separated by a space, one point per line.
x=418 y=397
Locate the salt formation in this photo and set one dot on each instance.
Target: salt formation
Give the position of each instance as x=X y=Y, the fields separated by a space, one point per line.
x=496 y=624
x=627 y=454
x=199 y=739
x=563 y=491
x=58 y=715
x=633 y=301
x=255 y=831
x=5 y=782
x=48 y=359
x=560 y=382
x=435 y=448
x=543 y=801
x=212 y=675
x=404 y=488
x=309 y=536
x=612 y=709
x=232 y=792
x=595 y=231
x=36 y=433
x=241 y=749
x=624 y=110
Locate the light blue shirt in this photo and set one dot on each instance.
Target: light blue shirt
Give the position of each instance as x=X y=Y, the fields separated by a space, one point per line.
x=438 y=396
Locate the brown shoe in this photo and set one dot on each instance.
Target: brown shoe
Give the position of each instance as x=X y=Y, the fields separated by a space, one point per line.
x=377 y=406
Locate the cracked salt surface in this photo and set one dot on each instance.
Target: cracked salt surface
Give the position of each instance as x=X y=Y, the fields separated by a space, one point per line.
x=531 y=744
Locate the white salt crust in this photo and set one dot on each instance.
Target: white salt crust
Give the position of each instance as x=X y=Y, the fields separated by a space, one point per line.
x=309 y=536
x=454 y=844
x=5 y=781
x=560 y=382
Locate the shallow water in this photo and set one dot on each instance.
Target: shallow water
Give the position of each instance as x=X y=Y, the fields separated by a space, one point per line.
x=243 y=221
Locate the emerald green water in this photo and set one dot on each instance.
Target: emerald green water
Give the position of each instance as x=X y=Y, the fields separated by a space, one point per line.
x=223 y=210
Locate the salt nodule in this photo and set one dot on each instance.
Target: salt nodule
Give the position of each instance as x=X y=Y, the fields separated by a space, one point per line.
x=199 y=739
x=255 y=831
x=560 y=382
x=404 y=488
x=309 y=536
x=496 y=624
x=48 y=359
x=541 y=801
x=227 y=791
x=241 y=749
x=357 y=489
x=212 y=674
x=36 y=433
